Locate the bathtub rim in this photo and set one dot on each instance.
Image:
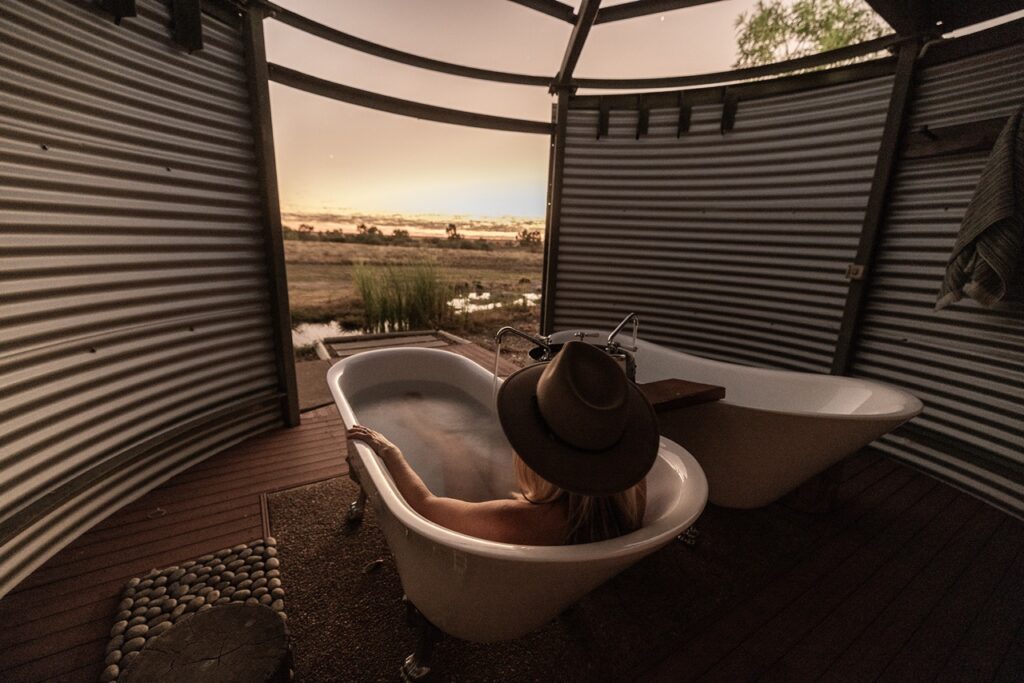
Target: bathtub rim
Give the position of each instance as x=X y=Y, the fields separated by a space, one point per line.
x=682 y=464
x=913 y=409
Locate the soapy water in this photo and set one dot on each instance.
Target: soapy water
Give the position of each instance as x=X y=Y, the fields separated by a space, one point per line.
x=453 y=441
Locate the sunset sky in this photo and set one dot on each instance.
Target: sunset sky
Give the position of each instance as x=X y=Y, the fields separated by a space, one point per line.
x=338 y=157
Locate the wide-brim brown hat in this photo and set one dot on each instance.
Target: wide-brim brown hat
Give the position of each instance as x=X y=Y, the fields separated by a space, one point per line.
x=578 y=422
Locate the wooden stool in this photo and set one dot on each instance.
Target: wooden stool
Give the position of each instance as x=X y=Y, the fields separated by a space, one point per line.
x=224 y=643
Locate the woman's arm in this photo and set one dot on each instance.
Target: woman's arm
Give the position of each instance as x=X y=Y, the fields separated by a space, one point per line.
x=507 y=521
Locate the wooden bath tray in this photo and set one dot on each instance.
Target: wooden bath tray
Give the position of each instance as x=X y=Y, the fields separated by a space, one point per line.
x=669 y=394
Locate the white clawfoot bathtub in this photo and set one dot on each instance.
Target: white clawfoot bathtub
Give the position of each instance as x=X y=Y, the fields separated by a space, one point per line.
x=438 y=407
x=775 y=429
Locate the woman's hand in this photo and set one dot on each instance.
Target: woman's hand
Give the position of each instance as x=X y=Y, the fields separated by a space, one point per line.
x=374 y=439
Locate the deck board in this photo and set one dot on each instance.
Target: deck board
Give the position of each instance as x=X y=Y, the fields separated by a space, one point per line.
x=925 y=653
x=980 y=652
x=723 y=628
x=871 y=588
x=1011 y=669
x=906 y=576
x=57 y=621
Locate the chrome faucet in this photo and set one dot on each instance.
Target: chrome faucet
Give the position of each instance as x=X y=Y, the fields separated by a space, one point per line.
x=542 y=342
x=613 y=345
x=620 y=352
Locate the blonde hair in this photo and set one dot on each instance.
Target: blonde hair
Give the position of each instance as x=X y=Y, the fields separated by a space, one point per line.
x=589 y=518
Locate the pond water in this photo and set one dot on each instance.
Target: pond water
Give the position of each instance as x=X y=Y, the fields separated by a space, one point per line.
x=474 y=301
x=307 y=334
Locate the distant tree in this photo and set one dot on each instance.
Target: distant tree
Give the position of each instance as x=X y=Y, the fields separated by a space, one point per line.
x=362 y=230
x=369 y=234
x=306 y=227
x=453 y=232
x=776 y=30
x=527 y=237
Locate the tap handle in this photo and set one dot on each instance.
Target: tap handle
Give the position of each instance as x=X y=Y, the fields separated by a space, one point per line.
x=583 y=335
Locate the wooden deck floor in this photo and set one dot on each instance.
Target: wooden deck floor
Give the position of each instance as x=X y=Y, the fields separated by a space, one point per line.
x=907 y=579
x=56 y=622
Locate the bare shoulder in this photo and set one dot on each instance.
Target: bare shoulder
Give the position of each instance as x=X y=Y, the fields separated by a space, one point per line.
x=515 y=521
x=543 y=524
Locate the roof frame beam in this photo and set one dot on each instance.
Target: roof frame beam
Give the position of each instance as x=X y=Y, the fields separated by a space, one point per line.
x=642 y=8
x=580 y=31
x=371 y=100
x=748 y=73
x=352 y=42
x=552 y=8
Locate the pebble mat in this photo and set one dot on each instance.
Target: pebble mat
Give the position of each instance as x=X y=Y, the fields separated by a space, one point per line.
x=248 y=573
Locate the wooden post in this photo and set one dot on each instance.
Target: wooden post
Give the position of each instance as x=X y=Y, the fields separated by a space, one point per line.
x=819 y=493
x=554 y=213
x=263 y=133
x=874 y=216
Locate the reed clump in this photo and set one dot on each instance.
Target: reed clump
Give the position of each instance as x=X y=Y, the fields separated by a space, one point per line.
x=410 y=297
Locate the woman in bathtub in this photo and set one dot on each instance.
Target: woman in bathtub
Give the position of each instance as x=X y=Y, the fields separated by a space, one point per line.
x=585 y=438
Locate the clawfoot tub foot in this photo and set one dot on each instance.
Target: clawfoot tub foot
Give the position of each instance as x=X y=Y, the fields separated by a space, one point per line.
x=356 y=509
x=416 y=666
x=690 y=536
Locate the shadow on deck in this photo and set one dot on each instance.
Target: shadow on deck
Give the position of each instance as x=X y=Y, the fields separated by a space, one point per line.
x=907 y=579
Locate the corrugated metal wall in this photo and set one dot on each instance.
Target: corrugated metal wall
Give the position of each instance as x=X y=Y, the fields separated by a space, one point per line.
x=136 y=320
x=734 y=247
x=730 y=246
x=966 y=363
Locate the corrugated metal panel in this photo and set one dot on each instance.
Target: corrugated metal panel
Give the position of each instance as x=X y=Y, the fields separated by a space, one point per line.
x=966 y=363
x=730 y=246
x=128 y=482
x=136 y=320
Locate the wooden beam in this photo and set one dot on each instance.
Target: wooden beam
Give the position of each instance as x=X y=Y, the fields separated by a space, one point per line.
x=935 y=17
x=642 y=8
x=902 y=15
x=119 y=8
x=187 y=24
x=394 y=105
x=958 y=138
x=874 y=215
x=765 y=87
x=580 y=31
x=266 y=164
x=556 y=171
x=749 y=73
x=552 y=8
x=300 y=22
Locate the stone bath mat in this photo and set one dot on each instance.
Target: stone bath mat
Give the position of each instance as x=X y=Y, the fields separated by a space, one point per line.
x=347 y=621
x=248 y=574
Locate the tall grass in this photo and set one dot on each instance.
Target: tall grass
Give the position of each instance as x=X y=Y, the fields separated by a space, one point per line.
x=402 y=297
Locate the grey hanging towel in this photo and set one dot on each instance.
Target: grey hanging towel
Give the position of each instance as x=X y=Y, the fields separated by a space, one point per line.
x=987 y=264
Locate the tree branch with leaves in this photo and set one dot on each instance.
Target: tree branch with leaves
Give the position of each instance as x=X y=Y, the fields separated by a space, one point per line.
x=777 y=30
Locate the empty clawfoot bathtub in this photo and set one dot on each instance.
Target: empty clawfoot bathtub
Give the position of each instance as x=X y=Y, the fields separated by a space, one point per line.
x=438 y=407
x=775 y=429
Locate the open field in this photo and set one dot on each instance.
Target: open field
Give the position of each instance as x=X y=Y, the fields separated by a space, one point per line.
x=321 y=287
